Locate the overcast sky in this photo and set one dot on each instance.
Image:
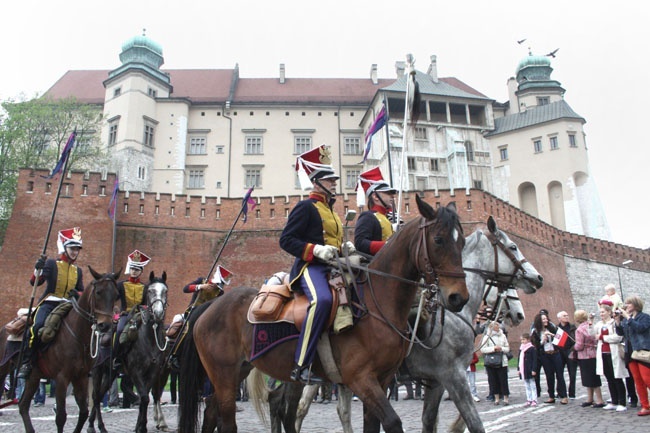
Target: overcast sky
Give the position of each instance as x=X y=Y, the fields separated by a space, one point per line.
x=602 y=62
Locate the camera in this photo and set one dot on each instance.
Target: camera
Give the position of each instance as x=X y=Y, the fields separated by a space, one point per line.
x=617 y=312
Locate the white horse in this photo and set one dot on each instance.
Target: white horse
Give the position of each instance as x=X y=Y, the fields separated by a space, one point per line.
x=495 y=269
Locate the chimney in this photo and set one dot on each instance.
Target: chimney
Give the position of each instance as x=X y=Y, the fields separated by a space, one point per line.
x=399 y=68
x=512 y=93
x=373 y=73
x=282 y=77
x=433 y=68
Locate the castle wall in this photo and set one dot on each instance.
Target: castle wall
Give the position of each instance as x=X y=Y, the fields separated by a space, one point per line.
x=184 y=234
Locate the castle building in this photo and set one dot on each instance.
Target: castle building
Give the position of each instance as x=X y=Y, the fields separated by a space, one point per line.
x=214 y=133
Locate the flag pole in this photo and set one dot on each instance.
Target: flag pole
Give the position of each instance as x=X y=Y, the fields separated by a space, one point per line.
x=387 y=132
x=14 y=377
x=405 y=135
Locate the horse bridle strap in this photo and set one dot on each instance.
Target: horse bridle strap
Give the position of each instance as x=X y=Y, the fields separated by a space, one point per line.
x=428 y=267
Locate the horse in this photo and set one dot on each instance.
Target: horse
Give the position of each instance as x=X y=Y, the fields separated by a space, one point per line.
x=427 y=248
x=143 y=360
x=69 y=357
x=444 y=355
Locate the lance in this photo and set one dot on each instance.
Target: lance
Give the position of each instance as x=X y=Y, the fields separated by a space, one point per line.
x=406 y=136
x=64 y=162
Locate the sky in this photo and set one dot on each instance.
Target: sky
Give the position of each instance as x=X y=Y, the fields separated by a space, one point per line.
x=602 y=61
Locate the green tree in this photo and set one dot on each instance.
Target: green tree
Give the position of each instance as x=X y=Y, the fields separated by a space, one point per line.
x=33 y=134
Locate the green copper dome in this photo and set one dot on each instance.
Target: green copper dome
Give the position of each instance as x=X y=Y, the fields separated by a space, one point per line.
x=142 y=41
x=535 y=72
x=533 y=61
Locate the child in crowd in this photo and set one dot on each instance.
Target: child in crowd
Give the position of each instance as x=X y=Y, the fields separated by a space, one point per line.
x=527 y=368
x=471 y=377
x=611 y=295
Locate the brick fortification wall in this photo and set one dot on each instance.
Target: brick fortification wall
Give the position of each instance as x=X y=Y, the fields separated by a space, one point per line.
x=184 y=234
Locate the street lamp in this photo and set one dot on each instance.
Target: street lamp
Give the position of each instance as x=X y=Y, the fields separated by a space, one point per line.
x=618 y=269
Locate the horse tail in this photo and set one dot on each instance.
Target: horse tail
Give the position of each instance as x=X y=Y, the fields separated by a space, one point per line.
x=191 y=378
x=258 y=393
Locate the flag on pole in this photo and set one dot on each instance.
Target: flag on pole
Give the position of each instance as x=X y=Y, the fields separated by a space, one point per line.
x=112 y=205
x=560 y=338
x=380 y=121
x=248 y=200
x=64 y=156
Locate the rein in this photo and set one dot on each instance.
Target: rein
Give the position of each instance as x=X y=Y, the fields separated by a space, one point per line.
x=156 y=323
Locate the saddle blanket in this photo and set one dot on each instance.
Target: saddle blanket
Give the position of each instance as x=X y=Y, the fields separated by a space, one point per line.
x=11 y=349
x=268 y=335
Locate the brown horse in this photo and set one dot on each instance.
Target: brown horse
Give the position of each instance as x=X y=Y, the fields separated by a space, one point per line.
x=367 y=356
x=68 y=359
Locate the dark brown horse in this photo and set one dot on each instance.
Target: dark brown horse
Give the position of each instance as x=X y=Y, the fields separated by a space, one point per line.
x=427 y=248
x=68 y=359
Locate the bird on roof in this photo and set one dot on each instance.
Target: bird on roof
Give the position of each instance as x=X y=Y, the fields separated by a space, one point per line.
x=521 y=41
x=552 y=53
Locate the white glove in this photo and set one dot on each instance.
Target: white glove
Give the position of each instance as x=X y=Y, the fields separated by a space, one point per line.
x=348 y=248
x=325 y=252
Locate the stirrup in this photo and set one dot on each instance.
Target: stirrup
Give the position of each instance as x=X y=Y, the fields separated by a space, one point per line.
x=304 y=375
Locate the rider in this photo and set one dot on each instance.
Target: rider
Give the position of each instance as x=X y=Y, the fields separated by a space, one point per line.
x=202 y=292
x=373 y=227
x=64 y=280
x=131 y=293
x=313 y=231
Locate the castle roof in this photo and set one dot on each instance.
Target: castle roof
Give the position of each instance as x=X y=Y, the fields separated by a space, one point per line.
x=534 y=116
x=213 y=85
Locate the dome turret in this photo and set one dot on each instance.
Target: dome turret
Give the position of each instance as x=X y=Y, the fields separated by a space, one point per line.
x=140 y=52
x=535 y=71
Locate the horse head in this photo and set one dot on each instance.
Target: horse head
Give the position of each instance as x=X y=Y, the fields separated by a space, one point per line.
x=99 y=298
x=156 y=294
x=438 y=253
x=500 y=262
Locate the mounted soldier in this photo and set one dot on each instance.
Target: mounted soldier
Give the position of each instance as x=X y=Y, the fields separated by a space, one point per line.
x=64 y=281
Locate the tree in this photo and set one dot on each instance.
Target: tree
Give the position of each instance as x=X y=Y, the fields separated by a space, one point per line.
x=33 y=134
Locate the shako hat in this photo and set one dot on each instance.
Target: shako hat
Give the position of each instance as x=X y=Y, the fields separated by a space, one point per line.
x=221 y=276
x=138 y=260
x=315 y=164
x=68 y=238
x=371 y=181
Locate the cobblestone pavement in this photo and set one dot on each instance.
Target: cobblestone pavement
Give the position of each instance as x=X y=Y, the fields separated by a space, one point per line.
x=515 y=418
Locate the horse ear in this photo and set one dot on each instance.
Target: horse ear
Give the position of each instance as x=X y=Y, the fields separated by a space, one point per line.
x=164 y=276
x=96 y=275
x=425 y=209
x=151 y=276
x=452 y=206
x=116 y=275
x=492 y=225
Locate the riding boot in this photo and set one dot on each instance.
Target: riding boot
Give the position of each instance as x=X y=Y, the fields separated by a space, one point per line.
x=304 y=375
x=26 y=366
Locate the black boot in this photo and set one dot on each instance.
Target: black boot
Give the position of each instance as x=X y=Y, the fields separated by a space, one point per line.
x=26 y=366
x=304 y=375
x=174 y=363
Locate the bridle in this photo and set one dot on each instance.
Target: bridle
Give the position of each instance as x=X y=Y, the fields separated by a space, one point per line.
x=156 y=322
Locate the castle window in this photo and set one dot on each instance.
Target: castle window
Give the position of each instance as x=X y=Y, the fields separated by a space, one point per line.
x=554 y=144
x=253 y=177
x=142 y=173
x=112 y=133
x=148 y=135
x=196 y=179
x=219 y=149
x=543 y=100
x=301 y=144
x=352 y=145
x=537 y=146
x=117 y=91
x=572 y=140
x=152 y=92
x=503 y=153
x=411 y=163
x=198 y=146
x=420 y=133
x=351 y=177
x=478 y=184
x=469 y=150
x=253 y=145
x=433 y=164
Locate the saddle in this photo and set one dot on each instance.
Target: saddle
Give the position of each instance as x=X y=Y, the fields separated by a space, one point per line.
x=276 y=302
x=53 y=322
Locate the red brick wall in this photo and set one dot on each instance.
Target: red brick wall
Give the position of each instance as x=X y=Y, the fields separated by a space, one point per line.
x=186 y=243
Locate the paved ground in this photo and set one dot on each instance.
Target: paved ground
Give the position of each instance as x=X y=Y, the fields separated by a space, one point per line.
x=322 y=418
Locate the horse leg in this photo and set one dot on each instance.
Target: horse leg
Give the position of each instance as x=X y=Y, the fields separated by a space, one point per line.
x=156 y=392
x=31 y=385
x=433 y=392
x=80 y=389
x=211 y=417
x=344 y=408
x=139 y=381
x=377 y=410
x=306 y=399
x=277 y=406
x=458 y=389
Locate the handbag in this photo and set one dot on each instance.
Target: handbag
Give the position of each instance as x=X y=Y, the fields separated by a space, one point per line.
x=641 y=355
x=494 y=359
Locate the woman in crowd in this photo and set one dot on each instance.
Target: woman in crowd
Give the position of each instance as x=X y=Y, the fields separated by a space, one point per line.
x=495 y=341
x=635 y=325
x=608 y=361
x=585 y=348
x=542 y=337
